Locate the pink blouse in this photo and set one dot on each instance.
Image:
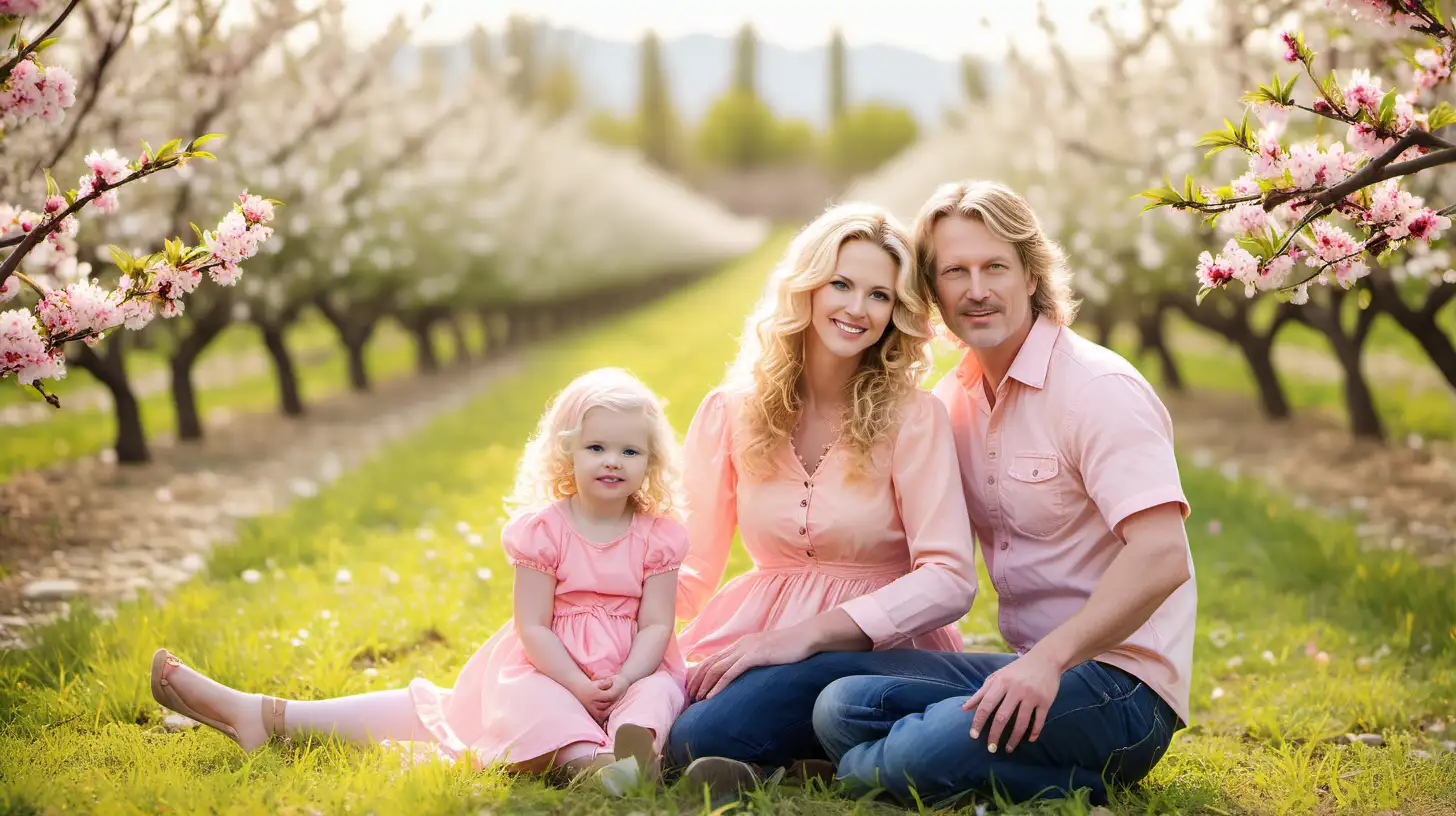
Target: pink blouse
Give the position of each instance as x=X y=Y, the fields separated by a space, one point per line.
x=893 y=550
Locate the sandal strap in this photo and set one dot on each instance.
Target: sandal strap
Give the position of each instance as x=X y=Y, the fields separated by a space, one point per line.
x=273 y=709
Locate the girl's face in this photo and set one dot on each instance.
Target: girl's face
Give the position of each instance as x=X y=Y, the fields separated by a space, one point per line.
x=610 y=456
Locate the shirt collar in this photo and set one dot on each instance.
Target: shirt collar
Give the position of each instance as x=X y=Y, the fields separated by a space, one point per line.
x=1031 y=363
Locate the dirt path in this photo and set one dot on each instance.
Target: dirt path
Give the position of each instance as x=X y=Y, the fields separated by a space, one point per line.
x=88 y=529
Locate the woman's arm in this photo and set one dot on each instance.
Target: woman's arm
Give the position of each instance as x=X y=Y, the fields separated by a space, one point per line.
x=710 y=485
x=654 y=627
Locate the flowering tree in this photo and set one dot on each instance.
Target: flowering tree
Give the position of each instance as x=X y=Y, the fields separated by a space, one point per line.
x=1326 y=212
x=32 y=339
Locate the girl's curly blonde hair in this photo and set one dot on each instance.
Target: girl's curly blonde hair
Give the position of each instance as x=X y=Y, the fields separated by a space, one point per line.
x=545 y=473
x=771 y=355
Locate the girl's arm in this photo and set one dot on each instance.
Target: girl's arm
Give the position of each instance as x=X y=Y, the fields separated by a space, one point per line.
x=654 y=627
x=535 y=597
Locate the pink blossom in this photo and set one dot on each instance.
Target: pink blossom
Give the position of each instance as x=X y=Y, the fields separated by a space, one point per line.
x=1426 y=224
x=55 y=204
x=110 y=167
x=10 y=289
x=1245 y=185
x=1248 y=219
x=1273 y=274
x=20 y=8
x=1291 y=46
x=256 y=209
x=1390 y=204
x=1382 y=12
x=171 y=283
x=23 y=351
x=1233 y=263
x=1268 y=162
x=138 y=312
x=1364 y=91
x=235 y=240
x=1364 y=139
x=82 y=308
x=1433 y=66
x=226 y=274
x=1330 y=243
x=107 y=202
x=36 y=92
x=1309 y=167
x=1347 y=272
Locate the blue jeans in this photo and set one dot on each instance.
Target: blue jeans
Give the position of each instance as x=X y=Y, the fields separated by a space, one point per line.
x=892 y=719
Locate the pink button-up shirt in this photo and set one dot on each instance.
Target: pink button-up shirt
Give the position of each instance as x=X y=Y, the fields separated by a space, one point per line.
x=894 y=551
x=1077 y=442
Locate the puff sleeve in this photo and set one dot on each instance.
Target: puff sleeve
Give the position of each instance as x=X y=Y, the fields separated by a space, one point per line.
x=529 y=542
x=667 y=546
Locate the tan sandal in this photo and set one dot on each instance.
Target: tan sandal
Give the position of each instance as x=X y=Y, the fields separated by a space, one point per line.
x=163 y=662
x=632 y=740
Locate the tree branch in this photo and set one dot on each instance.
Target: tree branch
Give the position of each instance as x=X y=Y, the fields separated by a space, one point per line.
x=30 y=46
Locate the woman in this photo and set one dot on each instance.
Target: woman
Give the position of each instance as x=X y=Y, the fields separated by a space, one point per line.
x=841 y=476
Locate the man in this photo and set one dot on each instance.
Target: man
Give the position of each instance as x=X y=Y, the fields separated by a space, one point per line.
x=1067 y=464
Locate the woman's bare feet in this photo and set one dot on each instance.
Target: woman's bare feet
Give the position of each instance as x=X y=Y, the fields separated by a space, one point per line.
x=189 y=693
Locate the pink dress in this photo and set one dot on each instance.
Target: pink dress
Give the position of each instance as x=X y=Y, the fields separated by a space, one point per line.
x=894 y=550
x=501 y=708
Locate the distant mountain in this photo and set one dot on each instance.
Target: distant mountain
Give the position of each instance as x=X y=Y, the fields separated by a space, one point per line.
x=794 y=82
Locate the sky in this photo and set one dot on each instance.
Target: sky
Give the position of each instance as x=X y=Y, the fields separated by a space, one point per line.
x=941 y=28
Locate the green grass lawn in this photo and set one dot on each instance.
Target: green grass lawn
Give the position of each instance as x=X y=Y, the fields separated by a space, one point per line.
x=319 y=357
x=81 y=733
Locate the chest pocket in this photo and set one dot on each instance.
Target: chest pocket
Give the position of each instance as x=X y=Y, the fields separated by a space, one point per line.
x=1036 y=493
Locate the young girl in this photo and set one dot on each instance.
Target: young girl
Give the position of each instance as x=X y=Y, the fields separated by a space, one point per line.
x=588 y=673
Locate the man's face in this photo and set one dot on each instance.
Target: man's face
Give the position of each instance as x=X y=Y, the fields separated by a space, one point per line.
x=983 y=290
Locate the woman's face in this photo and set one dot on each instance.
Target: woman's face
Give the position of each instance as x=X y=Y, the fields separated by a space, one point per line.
x=852 y=310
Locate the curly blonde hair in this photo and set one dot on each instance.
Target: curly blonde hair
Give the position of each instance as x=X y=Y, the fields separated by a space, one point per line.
x=1009 y=217
x=546 y=474
x=770 y=361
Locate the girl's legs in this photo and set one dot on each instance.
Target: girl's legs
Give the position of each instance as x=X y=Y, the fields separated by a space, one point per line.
x=371 y=717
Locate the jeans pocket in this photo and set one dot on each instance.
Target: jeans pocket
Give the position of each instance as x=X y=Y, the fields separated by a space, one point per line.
x=1133 y=762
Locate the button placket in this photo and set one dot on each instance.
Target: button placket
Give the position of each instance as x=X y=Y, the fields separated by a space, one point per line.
x=804 y=528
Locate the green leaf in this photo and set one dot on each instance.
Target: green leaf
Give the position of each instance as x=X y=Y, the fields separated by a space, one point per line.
x=1387 y=109
x=196 y=230
x=52 y=188
x=121 y=258
x=202 y=154
x=1231 y=136
x=44 y=44
x=168 y=149
x=1203 y=292
x=1441 y=116
x=202 y=140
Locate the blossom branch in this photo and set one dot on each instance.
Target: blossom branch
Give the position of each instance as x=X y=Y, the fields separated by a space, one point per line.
x=31 y=46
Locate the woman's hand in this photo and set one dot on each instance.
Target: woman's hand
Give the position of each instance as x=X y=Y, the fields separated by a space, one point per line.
x=751 y=651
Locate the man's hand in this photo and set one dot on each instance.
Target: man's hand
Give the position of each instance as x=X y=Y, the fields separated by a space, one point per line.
x=751 y=651
x=1024 y=688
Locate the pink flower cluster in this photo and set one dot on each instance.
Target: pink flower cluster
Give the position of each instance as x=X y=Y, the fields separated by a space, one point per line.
x=19 y=8
x=1433 y=66
x=1401 y=215
x=1332 y=245
x=32 y=91
x=1383 y=12
x=24 y=353
x=106 y=170
x=1234 y=263
x=30 y=349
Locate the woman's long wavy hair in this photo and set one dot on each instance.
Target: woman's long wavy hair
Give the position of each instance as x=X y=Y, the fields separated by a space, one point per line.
x=546 y=474
x=770 y=361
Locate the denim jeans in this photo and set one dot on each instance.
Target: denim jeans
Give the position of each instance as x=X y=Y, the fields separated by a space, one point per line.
x=908 y=735
x=893 y=719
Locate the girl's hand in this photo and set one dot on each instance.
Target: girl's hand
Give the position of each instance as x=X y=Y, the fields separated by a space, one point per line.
x=596 y=696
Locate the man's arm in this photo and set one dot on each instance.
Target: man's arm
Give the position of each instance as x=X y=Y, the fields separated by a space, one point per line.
x=1152 y=564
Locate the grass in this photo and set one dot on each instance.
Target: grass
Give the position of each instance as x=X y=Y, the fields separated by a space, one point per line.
x=321 y=363
x=81 y=732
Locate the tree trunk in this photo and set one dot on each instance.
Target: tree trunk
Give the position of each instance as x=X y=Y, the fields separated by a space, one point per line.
x=1349 y=348
x=419 y=327
x=183 y=360
x=1104 y=320
x=290 y=400
x=1421 y=324
x=1233 y=323
x=1154 y=339
x=109 y=369
x=354 y=329
x=358 y=371
x=458 y=338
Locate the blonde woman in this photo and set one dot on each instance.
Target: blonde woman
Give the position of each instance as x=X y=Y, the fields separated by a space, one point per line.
x=587 y=673
x=841 y=477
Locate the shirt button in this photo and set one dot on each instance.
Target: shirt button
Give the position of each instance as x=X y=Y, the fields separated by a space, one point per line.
x=990 y=480
x=1005 y=544
x=803 y=530
x=803 y=502
x=806 y=484
x=993 y=454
